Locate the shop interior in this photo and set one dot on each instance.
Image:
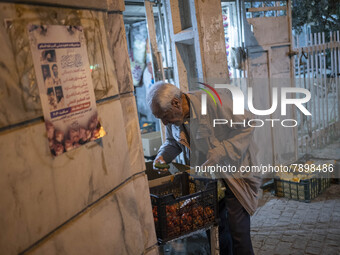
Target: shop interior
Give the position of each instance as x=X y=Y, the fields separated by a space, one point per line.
x=141 y=62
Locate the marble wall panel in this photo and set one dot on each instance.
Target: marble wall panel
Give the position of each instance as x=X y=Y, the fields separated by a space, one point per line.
x=145 y=210
x=110 y=5
x=110 y=227
x=130 y=213
x=153 y=251
x=117 y=5
x=39 y=192
x=133 y=134
x=118 y=49
x=19 y=95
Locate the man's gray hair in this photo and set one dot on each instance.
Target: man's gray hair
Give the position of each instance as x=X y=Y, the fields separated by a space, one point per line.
x=161 y=94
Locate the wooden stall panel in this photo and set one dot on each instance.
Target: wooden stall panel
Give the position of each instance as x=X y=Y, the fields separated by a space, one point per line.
x=258 y=80
x=180 y=11
x=280 y=62
x=186 y=62
x=212 y=41
x=285 y=139
x=270 y=30
x=273 y=35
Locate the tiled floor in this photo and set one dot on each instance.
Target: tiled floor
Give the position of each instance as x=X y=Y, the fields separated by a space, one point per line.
x=283 y=226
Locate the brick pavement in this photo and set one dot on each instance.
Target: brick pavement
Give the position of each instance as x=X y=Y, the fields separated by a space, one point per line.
x=282 y=226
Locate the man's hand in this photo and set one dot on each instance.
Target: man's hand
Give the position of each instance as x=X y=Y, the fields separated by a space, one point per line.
x=213 y=158
x=159 y=160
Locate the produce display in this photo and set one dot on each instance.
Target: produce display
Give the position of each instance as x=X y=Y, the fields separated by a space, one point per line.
x=183 y=206
x=155 y=214
x=162 y=166
x=305 y=171
x=304 y=181
x=182 y=219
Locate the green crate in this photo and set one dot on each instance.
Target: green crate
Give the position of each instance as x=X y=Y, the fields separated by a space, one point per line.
x=324 y=183
x=305 y=190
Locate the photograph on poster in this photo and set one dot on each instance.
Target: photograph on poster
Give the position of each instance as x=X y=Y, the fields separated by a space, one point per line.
x=60 y=96
x=46 y=72
x=56 y=79
x=51 y=99
x=65 y=85
x=48 y=56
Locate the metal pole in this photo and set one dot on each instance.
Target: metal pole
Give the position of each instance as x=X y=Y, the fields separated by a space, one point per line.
x=314 y=98
x=337 y=77
x=162 y=30
x=322 y=101
x=156 y=57
x=317 y=85
x=326 y=87
x=333 y=60
x=168 y=40
x=301 y=125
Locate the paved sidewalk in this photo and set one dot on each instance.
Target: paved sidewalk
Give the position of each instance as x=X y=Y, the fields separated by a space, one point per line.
x=282 y=226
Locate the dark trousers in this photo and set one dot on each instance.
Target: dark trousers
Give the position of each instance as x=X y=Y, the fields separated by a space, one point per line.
x=234 y=227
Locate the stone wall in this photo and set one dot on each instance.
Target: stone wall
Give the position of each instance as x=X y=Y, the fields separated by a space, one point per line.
x=91 y=200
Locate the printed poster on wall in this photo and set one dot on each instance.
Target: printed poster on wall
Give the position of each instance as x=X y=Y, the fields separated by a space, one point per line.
x=65 y=86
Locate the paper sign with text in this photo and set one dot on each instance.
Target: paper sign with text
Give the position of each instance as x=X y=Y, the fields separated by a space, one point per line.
x=64 y=79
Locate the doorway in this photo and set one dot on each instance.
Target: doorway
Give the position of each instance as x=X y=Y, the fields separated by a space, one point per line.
x=141 y=51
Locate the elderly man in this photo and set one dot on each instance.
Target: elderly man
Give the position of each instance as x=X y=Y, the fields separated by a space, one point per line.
x=202 y=144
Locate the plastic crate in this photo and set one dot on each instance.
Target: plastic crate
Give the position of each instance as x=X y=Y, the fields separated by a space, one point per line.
x=324 y=182
x=183 y=205
x=305 y=190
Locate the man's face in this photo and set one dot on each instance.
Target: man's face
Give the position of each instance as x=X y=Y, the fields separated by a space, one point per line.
x=58 y=93
x=174 y=115
x=45 y=72
x=55 y=71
